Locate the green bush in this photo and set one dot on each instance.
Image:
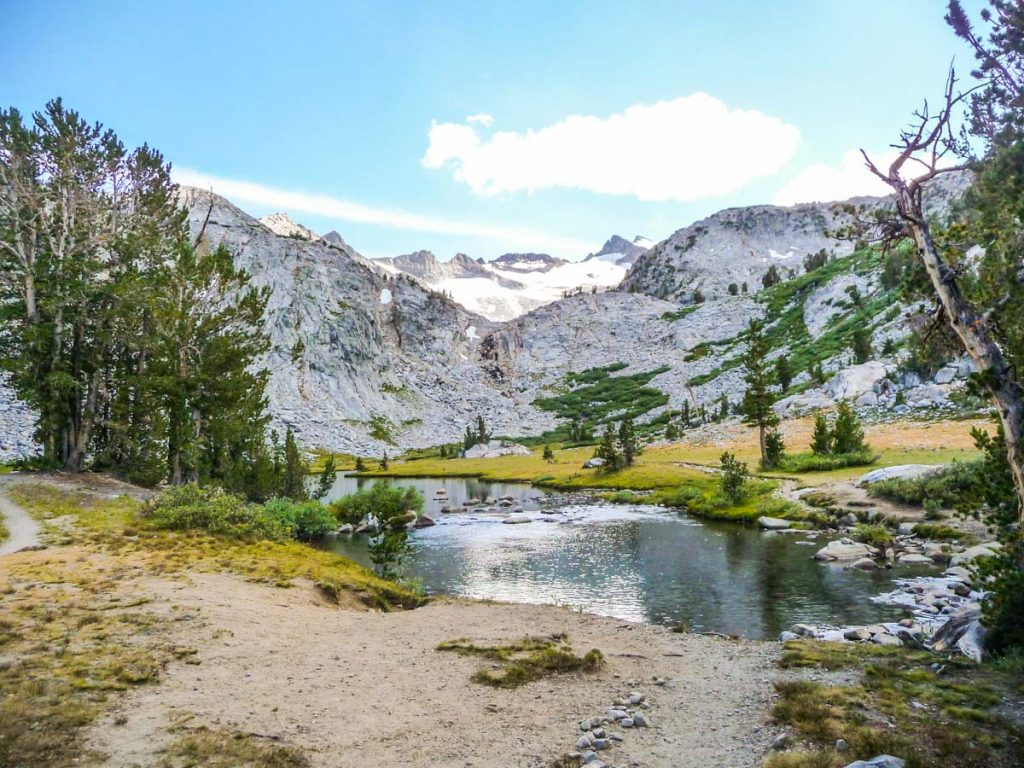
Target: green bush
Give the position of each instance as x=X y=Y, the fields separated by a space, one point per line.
x=189 y=507
x=816 y=462
x=946 y=487
x=873 y=534
x=381 y=501
x=734 y=478
x=307 y=520
x=772 y=506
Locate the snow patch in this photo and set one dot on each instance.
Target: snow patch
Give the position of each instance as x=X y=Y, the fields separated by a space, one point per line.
x=471 y=332
x=385 y=296
x=776 y=255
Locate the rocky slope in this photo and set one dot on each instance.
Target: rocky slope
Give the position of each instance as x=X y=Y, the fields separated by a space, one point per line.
x=360 y=361
x=739 y=245
x=619 y=250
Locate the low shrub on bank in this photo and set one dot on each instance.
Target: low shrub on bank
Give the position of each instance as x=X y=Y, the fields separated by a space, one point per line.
x=817 y=462
x=872 y=534
x=191 y=507
x=945 y=487
x=381 y=500
x=306 y=520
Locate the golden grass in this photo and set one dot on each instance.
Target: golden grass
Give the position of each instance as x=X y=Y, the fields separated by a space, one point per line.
x=670 y=465
x=226 y=749
x=112 y=524
x=71 y=637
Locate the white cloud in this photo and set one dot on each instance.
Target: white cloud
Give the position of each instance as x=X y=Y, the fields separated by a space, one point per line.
x=684 y=149
x=512 y=237
x=481 y=119
x=825 y=183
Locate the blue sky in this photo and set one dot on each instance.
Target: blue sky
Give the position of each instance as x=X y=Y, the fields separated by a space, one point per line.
x=362 y=107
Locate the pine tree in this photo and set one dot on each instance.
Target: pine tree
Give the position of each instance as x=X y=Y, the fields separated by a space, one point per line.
x=328 y=475
x=821 y=439
x=860 y=344
x=847 y=435
x=671 y=431
x=360 y=464
x=629 y=443
x=783 y=372
x=384 y=462
x=293 y=485
x=608 y=449
x=549 y=455
x=723 y=407
x=759 y=398
x=771 y=277
x=482 y=434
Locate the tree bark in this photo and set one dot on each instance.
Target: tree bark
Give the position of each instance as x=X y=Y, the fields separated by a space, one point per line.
x=976 y=336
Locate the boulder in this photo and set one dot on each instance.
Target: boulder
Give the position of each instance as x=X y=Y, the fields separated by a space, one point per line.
x=881 y=761
x=344 y=530
x=447 y=510
x=593 y=463
x=945 y=374
x=973 y=553
x=496 y=448
x=804 y=630
x=803 y=403
x=850 y=383
x=962 y=631
x=402 y=520
x=786 y=636
x=886 y=639
x=424 y=521
x=857 y=634
x=845 y=550
x=773 y=523
x=901 y=471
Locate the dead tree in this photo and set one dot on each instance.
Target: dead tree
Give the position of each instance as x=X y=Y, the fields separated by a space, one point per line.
x=923 y=148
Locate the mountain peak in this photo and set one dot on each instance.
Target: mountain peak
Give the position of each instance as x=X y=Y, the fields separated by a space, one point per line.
x=619 y=250
x=282 y=224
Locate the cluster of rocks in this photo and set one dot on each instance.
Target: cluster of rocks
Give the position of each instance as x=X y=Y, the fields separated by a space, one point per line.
x=945 y=609
x=17 y=425
x=598 y=734
x=875 y=386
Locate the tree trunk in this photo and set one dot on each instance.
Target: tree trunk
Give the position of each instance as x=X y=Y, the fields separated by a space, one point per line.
x=763 y=440
x=974 y=333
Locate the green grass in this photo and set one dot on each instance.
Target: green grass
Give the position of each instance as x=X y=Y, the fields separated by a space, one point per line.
x=955 y=724
x=525 y=660
x=4 y=533
x=813 y=462
x=679 y=314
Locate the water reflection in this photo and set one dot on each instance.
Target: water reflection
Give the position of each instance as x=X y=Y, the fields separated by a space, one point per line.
x=635 y=563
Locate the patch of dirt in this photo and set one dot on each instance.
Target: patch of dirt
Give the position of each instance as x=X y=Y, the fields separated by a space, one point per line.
x=366 y=688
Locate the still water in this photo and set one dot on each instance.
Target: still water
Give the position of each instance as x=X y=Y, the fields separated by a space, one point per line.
x=633 y=562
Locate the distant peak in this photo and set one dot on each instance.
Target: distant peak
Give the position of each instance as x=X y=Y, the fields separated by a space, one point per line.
x=281 y=224
x=619 y=250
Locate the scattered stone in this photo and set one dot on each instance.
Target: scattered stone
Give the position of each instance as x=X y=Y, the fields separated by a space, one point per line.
x=424 y=521
x=635 y=698
x=841 y=745
x=785 y=636
x=973 y=553
x=857 y=634
x=782 y=741
x=885 y=639
x=615 y=715
x=805 y=630
x=517 y=518
x=639 y=720
x=594 y=463
x=914 y=559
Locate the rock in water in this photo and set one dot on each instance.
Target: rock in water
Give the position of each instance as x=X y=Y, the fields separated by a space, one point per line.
x=773 y=523
x=845 y=550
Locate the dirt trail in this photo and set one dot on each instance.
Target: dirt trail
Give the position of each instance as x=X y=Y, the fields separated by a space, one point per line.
x=24 y=531
x=363 y=688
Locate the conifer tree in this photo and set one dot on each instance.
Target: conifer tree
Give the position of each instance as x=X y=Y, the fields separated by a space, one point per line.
x=759 y=398
x=847 y=435
x=783 y=372
x=821 y=439
x=629 y=443
x=608 y=449
x=549 y=455
x=328 y=475
x=384 y=461
x=293 y=485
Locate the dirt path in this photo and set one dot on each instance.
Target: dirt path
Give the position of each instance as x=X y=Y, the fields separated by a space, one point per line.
x=362 y=688
x=24 y=531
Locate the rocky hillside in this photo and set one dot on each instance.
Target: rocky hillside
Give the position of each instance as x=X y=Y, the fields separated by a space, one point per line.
x=739 y=245
x=619 y=250
x=360 y=361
